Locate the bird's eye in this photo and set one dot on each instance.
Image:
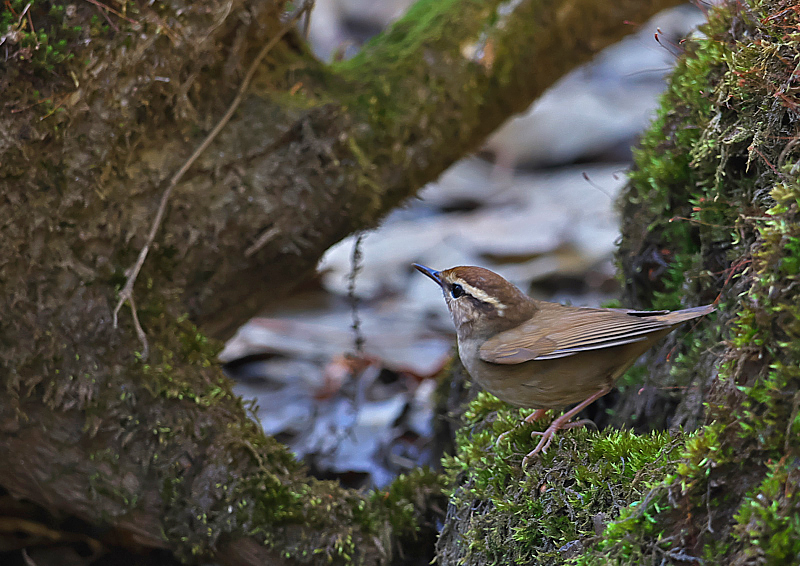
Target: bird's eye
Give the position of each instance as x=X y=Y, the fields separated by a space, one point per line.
x=456 y=290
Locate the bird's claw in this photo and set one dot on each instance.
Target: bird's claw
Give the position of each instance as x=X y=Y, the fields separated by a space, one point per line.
x=547 y=437
x=544 y=444
x=536 y=415
x=502 y=437
x=561 y=423
x=533 y=417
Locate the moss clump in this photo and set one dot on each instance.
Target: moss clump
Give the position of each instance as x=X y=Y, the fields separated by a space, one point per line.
x=45 y=44
x=39 y=35
x=341 y=520
x=768 y=522
x=730 y=120
x=182 y=345
x=556 y=508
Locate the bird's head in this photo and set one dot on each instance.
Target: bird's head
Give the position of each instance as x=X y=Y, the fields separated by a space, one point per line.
x=480 y=301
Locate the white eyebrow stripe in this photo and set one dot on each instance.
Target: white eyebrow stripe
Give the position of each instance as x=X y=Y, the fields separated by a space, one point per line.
x=481 y=295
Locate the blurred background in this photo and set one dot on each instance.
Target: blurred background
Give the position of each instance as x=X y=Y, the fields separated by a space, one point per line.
x=345 y=371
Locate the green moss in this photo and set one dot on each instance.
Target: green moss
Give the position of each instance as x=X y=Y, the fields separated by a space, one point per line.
x=712 y=210
x=671 y=213
x=387 y=67
x=183 y=345
x=506 y=515
x=768 y=522
x=720 y=164
x=623 y=538
x=40 y=36
x=401 y=502
x=406 y=75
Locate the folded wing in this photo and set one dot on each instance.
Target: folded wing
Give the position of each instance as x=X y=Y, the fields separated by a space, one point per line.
x=558 y=331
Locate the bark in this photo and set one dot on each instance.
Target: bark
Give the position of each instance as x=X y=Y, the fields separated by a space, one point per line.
x=92 y=131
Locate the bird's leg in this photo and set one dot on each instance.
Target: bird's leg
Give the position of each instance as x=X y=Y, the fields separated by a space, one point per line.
x=534 y=416
x=561 y=423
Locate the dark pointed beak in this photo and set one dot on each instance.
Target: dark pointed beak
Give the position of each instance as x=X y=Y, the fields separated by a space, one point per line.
x=432 y=273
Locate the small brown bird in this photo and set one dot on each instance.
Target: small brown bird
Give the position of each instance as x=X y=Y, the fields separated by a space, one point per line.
x=544 y=355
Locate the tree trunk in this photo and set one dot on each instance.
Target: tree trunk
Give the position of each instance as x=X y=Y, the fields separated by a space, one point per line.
x=101 y=108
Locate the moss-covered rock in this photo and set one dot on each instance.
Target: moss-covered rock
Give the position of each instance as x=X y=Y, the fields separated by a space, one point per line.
x=716 y=195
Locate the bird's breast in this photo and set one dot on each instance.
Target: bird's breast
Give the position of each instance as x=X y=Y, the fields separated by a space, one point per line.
x=555 y=383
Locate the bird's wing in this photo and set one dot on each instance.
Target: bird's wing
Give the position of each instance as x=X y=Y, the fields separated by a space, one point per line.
x=558 y=331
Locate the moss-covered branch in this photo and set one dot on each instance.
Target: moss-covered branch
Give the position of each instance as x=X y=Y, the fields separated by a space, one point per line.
x=416 y=99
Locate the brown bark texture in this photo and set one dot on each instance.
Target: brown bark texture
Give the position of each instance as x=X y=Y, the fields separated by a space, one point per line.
x=97 y=115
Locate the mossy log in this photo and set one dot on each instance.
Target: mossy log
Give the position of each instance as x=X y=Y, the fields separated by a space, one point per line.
x=101 y=106
x=712 y=211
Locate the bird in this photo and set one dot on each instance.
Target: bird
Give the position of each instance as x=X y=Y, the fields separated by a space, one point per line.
x=544 y=355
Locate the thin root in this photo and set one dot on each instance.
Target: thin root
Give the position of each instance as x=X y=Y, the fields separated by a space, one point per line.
x=126 y=294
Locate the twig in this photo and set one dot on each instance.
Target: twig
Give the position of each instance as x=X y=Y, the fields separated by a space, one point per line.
x=309 y=8
x=262 y=241
x=30 y=21
x=596 y=186
x=355 y=267
x=113 y=11
x=139 y=331
x=126 y=294
x=708 y=504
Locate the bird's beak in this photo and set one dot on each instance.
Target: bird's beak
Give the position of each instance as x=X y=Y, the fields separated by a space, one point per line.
x=432 y=273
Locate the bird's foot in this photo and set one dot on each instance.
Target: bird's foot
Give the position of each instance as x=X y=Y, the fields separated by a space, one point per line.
x=561 y=422
x=547 y=435
x=534 y=416
x=544 y=442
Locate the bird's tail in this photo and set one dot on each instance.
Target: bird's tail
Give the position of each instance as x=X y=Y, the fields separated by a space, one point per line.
x=677 y=317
